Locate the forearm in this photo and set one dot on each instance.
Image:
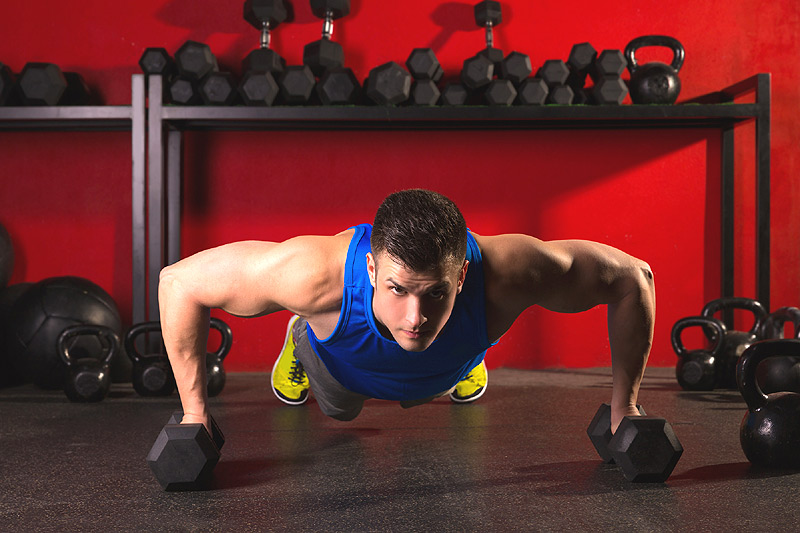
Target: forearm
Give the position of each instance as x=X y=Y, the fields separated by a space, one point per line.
x=630 y=330
x=184 y=327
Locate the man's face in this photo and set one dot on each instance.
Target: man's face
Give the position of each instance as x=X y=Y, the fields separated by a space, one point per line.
x=413 y=307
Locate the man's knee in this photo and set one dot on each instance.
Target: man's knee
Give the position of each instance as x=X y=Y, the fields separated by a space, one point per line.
x=343 y=415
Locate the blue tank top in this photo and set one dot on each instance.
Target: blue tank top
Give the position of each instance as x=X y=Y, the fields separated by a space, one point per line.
x=366 y=362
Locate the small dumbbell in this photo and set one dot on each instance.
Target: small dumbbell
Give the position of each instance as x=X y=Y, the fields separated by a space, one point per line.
x=533 y=91
x=609 y=87
x=554 y=72
x=296 y=84
x=454 y=94
x=388 y=84
x=645 y=447
x=258 y=86
x=183 y=456
x=698 y=369
x=88 y=379
x=488 y=14
x=326 y=54
x=424 y=67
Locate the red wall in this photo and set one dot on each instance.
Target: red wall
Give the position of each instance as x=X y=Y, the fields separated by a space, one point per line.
x=65 y=198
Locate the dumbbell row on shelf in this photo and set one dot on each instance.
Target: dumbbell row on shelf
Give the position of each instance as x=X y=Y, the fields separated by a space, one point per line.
x=489 y=77
x=716 y=366
x=42 y=84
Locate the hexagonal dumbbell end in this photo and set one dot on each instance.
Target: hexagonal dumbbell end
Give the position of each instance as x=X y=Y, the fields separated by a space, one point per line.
x=500 y=92
x=339 y=86
x=599 y=431
x=516 y=67
x=258 y=88
x=218 y=88
x=454 y=94
x=157 y=61
x=323 y=55
x=257 y=12
x=264 y=60
x=488 y=12
x=425 y=92
x=388 y=84
x=608 y=63
x=532 y=91
x=41 y=84
x=216 y=433
x=183 y=91
x=195 y=60
x=336 y=8
x=183 y=457
x=581 y=58
x=554 y=72
x=477 y=72
x=609 y=90
x=646 y=448
x=296 y=84
x=561 y=95
x=423 y=64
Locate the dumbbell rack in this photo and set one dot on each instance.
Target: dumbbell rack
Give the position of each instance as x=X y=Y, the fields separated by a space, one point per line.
x=102 y=118
x=159 y=127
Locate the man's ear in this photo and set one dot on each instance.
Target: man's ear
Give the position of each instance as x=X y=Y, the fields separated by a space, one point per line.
x=462 y=276
x=371 y=269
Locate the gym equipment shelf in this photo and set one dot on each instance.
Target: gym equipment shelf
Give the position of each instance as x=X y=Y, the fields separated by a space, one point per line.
x=102 y=118
x=717 y=110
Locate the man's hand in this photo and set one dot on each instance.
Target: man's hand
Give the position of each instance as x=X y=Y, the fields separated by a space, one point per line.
x=190 y=418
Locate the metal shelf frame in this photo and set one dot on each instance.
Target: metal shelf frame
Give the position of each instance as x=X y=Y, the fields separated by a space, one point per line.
x=103 y=118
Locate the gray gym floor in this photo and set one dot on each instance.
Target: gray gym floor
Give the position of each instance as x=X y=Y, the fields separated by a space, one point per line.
x=518 y=459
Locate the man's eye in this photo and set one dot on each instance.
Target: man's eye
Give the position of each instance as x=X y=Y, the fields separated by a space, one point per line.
x=437 y=295
x=397 y=290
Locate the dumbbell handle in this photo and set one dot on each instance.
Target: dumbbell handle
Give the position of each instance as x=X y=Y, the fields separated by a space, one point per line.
x=327 y=25
x=265 y=36
x=489 y=35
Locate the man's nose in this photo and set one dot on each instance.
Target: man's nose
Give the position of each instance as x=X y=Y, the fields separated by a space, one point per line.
x=414 y=313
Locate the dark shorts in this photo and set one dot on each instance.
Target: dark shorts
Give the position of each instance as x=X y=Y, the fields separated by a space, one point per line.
x=333 y=398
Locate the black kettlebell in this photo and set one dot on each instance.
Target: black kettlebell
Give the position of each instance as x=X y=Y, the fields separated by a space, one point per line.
x=780 y=373
x=215 y=372
x=698 y=369
x=735 y=342
x=654 y=82
x=152 y=373
x=88 y=379
x=770 y=430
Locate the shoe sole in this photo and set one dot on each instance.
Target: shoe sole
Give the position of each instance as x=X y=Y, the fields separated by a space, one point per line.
x=474 y=396
x=275 y=365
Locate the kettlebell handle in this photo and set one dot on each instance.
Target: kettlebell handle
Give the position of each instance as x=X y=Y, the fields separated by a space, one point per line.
x=227 y=338
x=655 y=40
x=773 y=324
x=104 y=332
x=748 y=304
x=133 y=334
x=748 y=363
x=691 y=321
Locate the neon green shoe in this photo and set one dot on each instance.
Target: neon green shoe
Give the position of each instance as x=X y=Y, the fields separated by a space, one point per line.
x=289 y=380
x=471 y=387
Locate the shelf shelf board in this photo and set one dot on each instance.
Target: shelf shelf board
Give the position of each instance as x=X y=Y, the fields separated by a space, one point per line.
x=105 y=118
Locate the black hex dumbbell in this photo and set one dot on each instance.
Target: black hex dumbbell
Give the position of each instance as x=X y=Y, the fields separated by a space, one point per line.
x=426 y=70
x=183 y=456
x=488 y=14
x=258 y=86
x=296 y=84
x=41 y=84
x=554 y=72
x=388 y=84
x=645 y=447
x=609 y=87
x=326 y=54
x=533 y=91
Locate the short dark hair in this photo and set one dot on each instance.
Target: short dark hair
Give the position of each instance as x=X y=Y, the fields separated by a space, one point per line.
x=420 y=229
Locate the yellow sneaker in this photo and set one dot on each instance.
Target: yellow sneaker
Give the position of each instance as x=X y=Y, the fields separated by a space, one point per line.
x=471 y=387
x=289 y=380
